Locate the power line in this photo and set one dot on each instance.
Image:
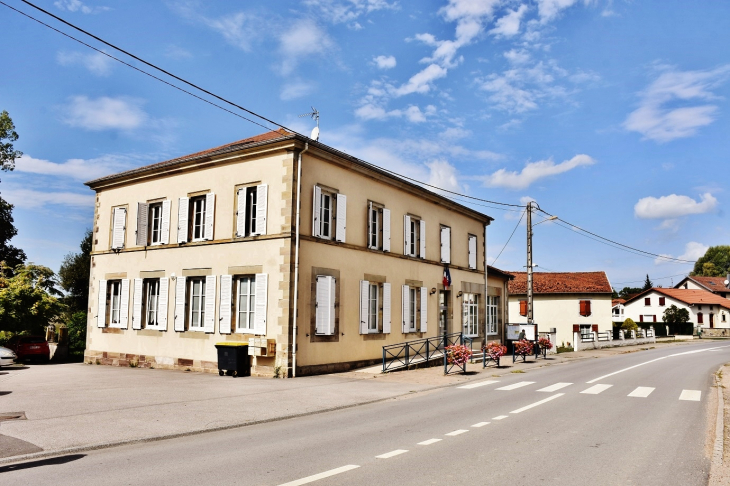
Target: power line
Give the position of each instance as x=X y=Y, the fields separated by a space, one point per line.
x=510 y=237
x=658 y=278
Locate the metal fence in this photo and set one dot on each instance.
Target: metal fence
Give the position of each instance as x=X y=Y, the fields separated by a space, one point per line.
x=418 y=351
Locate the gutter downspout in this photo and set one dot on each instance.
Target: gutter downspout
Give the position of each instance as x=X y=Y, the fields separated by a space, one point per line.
x=296 y=262
x=486 y=290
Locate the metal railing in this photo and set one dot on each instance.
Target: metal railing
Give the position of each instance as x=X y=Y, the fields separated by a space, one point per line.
x=418 y=351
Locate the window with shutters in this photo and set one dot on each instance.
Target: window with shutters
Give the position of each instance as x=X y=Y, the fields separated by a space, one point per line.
x=325 y=304
x=523 y=307
x=114 y=302
x=245 y=302
x=586 y=329
x=197 y=218
x=414 y=241
x=326 y=208
x=445 y=244
x=699 y=318
x=378 y=227
x=585 y=308
x=662 y=301
x=118 y=228
x=472 y=251
x=471 y=314
x=373 y=307
x=492 y=313
x=329 y=214
x=413 y=310
x=196 y=303
x=155 y=223
x=647 y=300
x=151 y=302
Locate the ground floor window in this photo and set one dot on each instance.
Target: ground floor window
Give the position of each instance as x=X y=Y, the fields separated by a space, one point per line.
x=245 y=303
x=114 y=292
x=151 y=302
x=471 y=314
x=196 y=299
x=492 y=313
x=586 y=329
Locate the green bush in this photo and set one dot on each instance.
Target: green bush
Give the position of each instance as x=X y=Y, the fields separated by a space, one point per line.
x=76 y=335
x=629 y=325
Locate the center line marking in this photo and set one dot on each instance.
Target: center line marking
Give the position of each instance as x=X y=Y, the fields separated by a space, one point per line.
x=596 y=389
x=390 y=454
x=322 y=475
x=500 y=417
x=429 y=441
x=691 y=395
x=557 y=395
x=554 y=387
x=457 y=432
x=481 y=424
x=514 y=386
x=641 y=392
x=481 y=383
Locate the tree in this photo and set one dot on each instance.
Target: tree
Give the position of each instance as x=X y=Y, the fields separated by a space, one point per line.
x=9 y=254
x=8 y=154
x=74 y=275
x=28 y=298
x=628 y=292
x=675 y=315
x=629 y=325
x=714 y=263
x=647 y=283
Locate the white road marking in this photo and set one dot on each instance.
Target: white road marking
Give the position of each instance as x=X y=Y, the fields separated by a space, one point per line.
x=596 y=389
x=654 y=360
x=557 y=395
x=481 y=424
x=322 y=475
x=500 y=417
x=554 y=387
x=390 y=454
x=641 y=392
x=691 y=395
x=457 y=432
x=429 y=441
x=514 y=386
x=476 y=385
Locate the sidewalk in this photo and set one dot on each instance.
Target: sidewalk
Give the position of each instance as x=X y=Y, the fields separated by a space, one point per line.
x=74 y=407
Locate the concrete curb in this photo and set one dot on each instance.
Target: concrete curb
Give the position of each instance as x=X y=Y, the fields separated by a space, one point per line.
x=719 y=446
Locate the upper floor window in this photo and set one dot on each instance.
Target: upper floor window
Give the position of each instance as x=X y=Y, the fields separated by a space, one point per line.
x=195 y=218
x=472 y=252
x=445 y=244
x=153 y=223
x=119 y=228
x=647 y=300
x=523 y=307
x=251 y=211
x=585 y=308
x=662 y=301
x=378 y=227
x=329 y=214
x=414 y=230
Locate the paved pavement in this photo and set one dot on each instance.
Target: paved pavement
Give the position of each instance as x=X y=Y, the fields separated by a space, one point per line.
x=637 y=418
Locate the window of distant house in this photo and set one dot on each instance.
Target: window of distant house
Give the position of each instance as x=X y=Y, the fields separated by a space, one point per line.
x=114 y=293
x=197 y=217
x=647 y=301
x=722 y=317
x=492 y=306
x=699 y=318
x=662 y=301
x=196 y=302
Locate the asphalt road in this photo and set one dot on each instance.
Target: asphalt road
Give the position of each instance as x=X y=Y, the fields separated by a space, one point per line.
x=522 y=435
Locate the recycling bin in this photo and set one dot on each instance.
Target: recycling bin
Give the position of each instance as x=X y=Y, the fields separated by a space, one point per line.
x=233 y=359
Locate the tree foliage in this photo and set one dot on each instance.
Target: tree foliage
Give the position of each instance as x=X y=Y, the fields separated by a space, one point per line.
x=629 y=325
x=647 y=283
x=76 y=325
x=8 y=135
x=29 y=298
x=74 y=275
x=675 y=315
x=9 y=254
x=627 y=292
x=714 y=263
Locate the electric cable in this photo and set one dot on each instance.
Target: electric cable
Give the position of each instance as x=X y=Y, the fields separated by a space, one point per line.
x=510 y=237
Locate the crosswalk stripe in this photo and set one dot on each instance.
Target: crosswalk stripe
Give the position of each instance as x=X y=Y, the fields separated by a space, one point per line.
x=480 y=424
x=554 y=387
x=691 y=395
x=514 y=386
x=596 y=389
x=641 y=392
x=476 y=385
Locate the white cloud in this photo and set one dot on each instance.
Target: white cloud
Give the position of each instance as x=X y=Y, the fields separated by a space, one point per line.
x=509 y=25
x=79 y=169
x=304 y=38
x=78 y=6
x=176 y=52
x=517 y=56
x=674 y=206
x=239 y=29
x=96 y=62
x=692 y=252
x=384 y=62
x=534 y=171
x=32 y=199
x=549 y=9
x=104 y=113
x=443 y=175
x=296 y=89
x=659 y=118
x=344 y=11
x=421 y=81
x=412 y=113
x=455 y=133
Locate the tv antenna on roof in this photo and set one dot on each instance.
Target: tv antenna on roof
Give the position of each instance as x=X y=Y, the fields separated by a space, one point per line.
x=315 y=115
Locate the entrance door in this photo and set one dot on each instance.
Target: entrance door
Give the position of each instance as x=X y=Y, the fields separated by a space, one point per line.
x=712 y=321
x=444 y=310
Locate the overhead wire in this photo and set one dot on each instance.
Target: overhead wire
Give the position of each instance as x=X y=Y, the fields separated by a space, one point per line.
x=656 y=278
x=510 y=237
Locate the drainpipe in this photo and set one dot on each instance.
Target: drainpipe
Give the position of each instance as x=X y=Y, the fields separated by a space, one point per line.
x=486 y=290
x=296 y=261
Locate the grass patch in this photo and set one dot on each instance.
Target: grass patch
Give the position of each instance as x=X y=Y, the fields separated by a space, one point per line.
x=517 y=371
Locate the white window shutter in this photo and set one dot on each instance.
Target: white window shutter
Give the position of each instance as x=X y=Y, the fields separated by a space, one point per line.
x=386 y=230
x=464 y=316
x=182 y=220
x=424 y=309
x=370 y=225
x=341 y=218
x=180 y=304
x=225 y=310
x=241 y=213
x=209 y=215
x=386 y=308
x=142 y=214
x=165 y=237
x=406 y=234
x=364 y=305
x=137 y=304
x=422 y=226
x=209 y=321
x=333 y=298
x=445 y=244
x=472 y=252
x=405 y=306
x=262 y=192
x=325 y=305
x=316 y=208
x=101 y=307
x=124 y=304
x=120 y=217
x=261 y=304
x=162 y=304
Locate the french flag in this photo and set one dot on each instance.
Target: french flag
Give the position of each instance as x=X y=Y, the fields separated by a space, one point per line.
x=447 y=277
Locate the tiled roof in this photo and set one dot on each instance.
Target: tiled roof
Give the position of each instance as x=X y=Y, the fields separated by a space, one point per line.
x=561 y=283
x=688 y=296
x=618 y=301
x=492 y=270
x=712 y=283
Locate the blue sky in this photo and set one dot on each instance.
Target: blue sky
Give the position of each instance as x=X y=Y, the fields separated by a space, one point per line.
x=612 y=115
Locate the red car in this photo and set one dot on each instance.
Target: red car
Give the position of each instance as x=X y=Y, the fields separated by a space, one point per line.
x=30 y=347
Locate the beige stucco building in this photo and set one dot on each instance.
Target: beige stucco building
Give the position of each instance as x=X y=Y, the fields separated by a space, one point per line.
x=204 y=249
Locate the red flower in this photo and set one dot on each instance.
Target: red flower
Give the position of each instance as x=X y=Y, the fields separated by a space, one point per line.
x=523 y=347
x=545 y=343
x=458 y=354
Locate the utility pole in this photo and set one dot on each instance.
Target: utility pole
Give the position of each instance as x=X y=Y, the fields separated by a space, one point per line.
x=529 y=263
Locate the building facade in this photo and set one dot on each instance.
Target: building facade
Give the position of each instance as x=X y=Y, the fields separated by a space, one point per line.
x=706 y=310
x=717 y=285
x=213 y=247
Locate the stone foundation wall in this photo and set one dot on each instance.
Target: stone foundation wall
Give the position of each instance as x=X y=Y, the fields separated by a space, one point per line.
x=715 y=332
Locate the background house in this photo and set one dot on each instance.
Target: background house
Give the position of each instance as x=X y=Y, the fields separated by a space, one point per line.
x=565 y=301
x=706 y=310
x=716 y=285
x=618 y=310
